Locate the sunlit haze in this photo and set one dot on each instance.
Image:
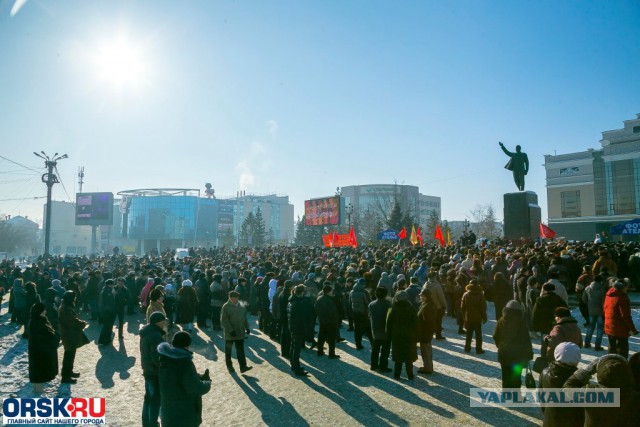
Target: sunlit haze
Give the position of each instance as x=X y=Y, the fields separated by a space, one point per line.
x=298 y=98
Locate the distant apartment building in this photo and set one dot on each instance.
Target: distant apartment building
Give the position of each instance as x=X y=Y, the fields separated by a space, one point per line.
x=592 y=190
x=381 y=197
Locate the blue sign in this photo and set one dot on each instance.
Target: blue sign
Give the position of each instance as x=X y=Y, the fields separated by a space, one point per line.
x=389 y=234
x=626 y=228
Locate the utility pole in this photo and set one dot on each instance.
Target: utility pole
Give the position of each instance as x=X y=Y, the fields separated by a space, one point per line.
x=49 y=178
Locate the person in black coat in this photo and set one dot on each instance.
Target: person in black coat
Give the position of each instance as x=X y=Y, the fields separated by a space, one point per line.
x=107 y=304
x=565 y=363
x=502 y=293
x=122 y=297
x=285 y=333
x=543 y=311
x=328 y=318
x=402 y=325
x=43 y=348
x=31 y=298
x=151 y=336
x=378 y=310
x=514 y=344
x=181 y=387
x=52 y=307
x=299 y=319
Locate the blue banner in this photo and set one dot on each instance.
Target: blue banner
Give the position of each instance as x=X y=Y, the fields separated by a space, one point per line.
x=626 y=228
x=389 y=234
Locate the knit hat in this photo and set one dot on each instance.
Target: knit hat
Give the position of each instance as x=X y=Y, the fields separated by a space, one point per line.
x=361 y=282
x=567 y=353
x=234 y=294
x=156 y=317
x=401 y=296
x=69 y=297
x=181 y=339
x=187 y=283
x=514 y=305
x=55 y=282
x=562 y=312
x=548 y=287
x=326 y=289
x=620 y=284
x=613 y=371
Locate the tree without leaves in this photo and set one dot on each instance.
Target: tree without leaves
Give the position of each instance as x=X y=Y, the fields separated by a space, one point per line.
x=484 y=221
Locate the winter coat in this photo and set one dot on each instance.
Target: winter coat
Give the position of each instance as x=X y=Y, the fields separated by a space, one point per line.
x=604 y=261
x=326 y=310
x=300 y=316
x=233 y=318
x=502 y=294
x=378 y=311
x=273 y=287
x=52 y=309
x=386 y=282
x=554 y=376
x=153 y=307
x=19 y=294
x=617 y=314
x=437 y=294
x=593 y=296
x=202 y=290
x=151 y=336
x=218 y=294
x=359 y=299
x=122 y=297
x=413 y=291
x=43 y=350
x=543 y=318
x=187 y=305
x=626 y=415
x=402 y=330
x=107 y=302
x=473 y=306
x=71 y=327
x=565 y=330
x=512 y=338
x=181 y=388
x=426 y=326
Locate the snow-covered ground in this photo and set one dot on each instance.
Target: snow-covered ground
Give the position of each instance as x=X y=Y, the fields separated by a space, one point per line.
x=338 y=392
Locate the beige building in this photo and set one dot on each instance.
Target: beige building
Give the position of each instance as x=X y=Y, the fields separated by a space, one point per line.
x=66 y=237
x=590 y=191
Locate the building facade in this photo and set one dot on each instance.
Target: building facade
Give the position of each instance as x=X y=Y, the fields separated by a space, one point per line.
x=381 y=197
x=66 y=237
x=173 y=217
x=590 y=191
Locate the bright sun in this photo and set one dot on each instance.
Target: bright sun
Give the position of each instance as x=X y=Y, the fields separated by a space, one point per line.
x=120 y=63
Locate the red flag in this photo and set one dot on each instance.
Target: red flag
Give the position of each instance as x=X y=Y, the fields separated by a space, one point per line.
x=353 y=241
x=546 y=232
x=419 y=235
x=403 y=233
x=438 y=235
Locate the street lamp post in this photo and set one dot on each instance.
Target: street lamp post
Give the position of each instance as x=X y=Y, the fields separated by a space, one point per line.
x=49 y=178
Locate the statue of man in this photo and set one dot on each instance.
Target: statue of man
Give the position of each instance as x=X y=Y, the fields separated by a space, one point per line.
x=518 y=164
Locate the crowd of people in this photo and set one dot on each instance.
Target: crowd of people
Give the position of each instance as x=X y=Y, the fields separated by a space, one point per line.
x=394 y=297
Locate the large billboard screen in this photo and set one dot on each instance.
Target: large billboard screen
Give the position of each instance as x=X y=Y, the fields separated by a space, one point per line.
x=325 y=211
x=94 y=209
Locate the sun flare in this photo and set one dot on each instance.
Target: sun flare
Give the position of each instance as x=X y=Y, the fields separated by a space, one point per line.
x=121 y=64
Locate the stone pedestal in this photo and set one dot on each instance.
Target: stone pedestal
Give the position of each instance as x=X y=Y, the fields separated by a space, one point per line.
x=521 y=215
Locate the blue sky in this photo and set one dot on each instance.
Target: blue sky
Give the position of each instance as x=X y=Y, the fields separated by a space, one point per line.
x=300 y=97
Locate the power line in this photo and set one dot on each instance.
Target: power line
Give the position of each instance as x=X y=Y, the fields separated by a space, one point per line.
x=21 y=165
x=24 y=198
x=63 y=187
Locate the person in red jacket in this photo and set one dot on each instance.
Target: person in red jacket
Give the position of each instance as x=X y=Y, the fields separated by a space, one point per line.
x=618 y=324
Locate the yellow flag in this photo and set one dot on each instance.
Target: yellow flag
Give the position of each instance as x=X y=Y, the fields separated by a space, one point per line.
x=448 y=236
x=414 y=237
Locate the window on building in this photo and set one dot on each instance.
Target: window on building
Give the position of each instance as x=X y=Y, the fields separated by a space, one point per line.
x=636 y=129
x=570 y=202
